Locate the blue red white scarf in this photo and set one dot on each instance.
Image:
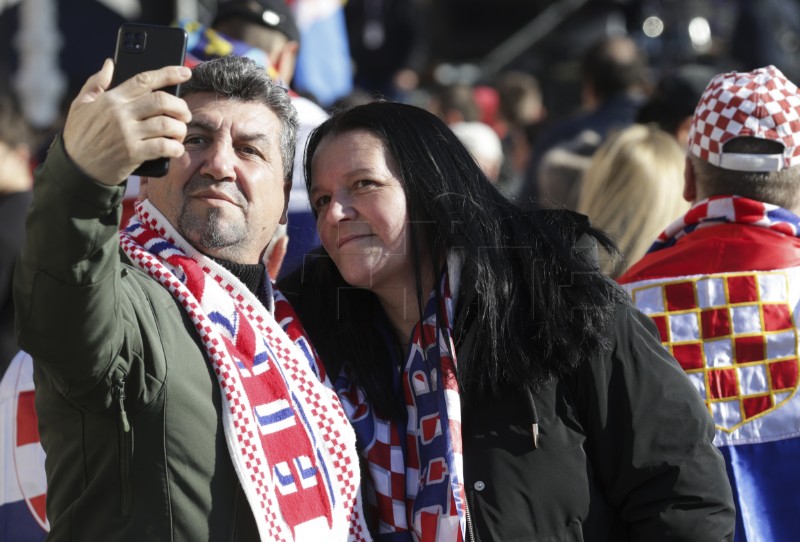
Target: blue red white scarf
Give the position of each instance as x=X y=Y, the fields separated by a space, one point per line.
x=733 y=209
x=287 y=434
x=416 y=465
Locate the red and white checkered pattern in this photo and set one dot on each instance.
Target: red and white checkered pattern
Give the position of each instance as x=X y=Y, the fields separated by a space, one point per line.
x=327 y=412
x=390 y=478
x=717 y=210
x=203 y=287
x=416 y=467
x=734 y=335
x=761 y=103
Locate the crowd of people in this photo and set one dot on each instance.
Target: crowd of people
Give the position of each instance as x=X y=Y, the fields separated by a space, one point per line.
x=456 y=319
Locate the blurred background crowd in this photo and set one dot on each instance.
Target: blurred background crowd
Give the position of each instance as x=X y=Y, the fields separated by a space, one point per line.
x=407 y=49
x=576 y=104
x=539 y=91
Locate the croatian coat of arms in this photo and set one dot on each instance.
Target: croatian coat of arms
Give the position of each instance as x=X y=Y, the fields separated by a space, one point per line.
x=734 y=335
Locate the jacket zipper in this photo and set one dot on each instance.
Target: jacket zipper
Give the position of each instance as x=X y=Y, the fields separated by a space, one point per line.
x=470 y=532
x=125 y=446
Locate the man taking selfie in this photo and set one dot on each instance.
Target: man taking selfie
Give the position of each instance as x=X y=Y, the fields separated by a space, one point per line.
x=177 y=396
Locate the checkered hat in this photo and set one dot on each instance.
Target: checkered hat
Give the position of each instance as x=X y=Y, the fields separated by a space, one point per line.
x=761 y=104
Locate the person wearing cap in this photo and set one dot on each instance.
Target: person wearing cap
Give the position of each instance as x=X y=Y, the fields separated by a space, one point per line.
x=267 y=32
x=267 y=25
x=722 y=284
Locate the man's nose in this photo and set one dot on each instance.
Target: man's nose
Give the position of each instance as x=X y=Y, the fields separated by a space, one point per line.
x=219 y=162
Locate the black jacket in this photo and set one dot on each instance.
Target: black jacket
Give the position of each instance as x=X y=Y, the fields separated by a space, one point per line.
x=624 y=453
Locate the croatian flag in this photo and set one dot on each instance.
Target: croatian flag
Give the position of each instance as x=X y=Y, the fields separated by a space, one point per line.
x=323 y=65
x=736 y=337
x=22 y=478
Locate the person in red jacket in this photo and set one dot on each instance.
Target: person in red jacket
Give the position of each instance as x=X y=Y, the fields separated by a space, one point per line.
x=722 y=284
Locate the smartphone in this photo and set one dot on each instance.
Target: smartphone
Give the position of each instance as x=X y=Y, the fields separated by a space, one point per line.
x=143 y=47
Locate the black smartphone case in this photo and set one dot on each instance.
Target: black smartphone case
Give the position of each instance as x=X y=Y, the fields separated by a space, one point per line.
x=142 y=47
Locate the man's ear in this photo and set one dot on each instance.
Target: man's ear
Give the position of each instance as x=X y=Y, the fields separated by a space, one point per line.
x=275 y=255
x=689 y=182
x=682 y=131
x=143 y=182
x=276 y=250
x=287 y=189
x=286 y=61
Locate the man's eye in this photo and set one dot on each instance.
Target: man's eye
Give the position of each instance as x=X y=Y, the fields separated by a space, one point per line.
x=193 y=140
x=250 y=151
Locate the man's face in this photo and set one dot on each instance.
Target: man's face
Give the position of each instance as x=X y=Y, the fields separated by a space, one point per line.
x=226 y=194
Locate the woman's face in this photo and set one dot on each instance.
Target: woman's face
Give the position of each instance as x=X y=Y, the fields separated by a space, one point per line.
x=362 y=222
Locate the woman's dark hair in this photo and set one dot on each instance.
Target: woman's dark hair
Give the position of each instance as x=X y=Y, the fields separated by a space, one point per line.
x=537 y=306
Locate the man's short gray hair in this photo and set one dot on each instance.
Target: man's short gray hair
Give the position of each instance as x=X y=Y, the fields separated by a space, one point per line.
x=240 y=78
x=780 y=188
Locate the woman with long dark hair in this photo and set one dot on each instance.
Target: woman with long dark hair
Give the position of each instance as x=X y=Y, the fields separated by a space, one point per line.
x=500 y=387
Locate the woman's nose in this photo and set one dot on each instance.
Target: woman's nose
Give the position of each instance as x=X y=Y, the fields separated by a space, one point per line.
x=340 y=208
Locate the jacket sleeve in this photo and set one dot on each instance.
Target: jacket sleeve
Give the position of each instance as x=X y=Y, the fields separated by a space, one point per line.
x=650 y=439
x=66 y=280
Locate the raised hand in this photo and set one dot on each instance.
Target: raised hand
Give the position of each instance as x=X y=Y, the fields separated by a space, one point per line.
x=109 y=133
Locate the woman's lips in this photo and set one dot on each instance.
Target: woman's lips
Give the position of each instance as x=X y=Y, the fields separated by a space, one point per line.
x=343 y=240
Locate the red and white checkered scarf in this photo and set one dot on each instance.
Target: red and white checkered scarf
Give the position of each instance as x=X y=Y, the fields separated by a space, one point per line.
x=728 y=209
x=287 y=435
x=416 y=464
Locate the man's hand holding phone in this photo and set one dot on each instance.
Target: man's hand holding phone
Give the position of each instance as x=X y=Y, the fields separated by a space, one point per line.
x=109 y=133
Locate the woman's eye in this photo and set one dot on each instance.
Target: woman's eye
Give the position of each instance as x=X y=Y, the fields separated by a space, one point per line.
x=322 y=200
x=364 y=183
